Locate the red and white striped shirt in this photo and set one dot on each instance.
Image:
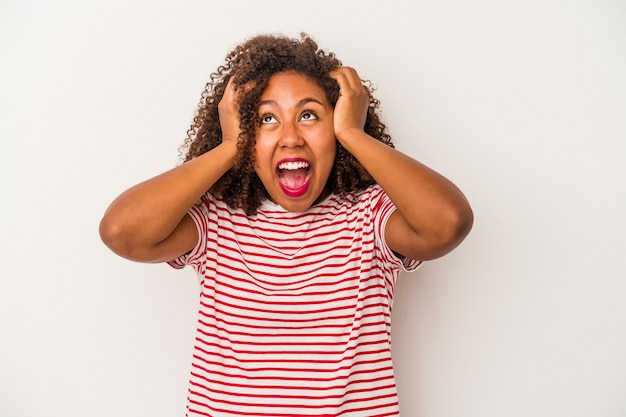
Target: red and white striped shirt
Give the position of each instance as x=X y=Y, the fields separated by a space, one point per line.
x=295 y=309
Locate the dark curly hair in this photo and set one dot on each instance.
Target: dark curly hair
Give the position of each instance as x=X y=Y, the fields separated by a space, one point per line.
x=256 y=60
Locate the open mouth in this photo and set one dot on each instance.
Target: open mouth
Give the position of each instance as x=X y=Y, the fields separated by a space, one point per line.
x=294 y=177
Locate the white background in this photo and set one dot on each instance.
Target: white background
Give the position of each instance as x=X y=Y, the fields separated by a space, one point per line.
x=520 y=103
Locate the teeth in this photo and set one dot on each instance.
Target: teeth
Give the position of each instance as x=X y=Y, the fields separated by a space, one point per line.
x=293 y=165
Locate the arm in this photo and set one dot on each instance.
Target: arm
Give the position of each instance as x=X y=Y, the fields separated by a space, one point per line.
x=432 y=217
x=149 y=222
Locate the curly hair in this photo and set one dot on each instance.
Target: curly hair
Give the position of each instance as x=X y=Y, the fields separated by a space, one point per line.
x=256 y=60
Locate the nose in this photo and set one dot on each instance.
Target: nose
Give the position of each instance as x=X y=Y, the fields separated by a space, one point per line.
x=290 y=136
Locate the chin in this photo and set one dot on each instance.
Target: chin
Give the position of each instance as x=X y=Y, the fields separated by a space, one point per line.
x=296 y=207
x=299 y=204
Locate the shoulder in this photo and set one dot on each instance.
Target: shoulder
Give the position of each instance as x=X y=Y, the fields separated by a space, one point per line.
x=372 y=193
x=376 y=198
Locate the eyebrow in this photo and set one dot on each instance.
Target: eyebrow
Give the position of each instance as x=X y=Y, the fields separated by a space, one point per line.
x=299 y=104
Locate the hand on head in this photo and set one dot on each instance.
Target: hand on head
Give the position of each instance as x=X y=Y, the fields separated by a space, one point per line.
x=228 y=109
x=353 y=102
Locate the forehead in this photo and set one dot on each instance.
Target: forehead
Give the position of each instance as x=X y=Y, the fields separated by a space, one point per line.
x=294 y=85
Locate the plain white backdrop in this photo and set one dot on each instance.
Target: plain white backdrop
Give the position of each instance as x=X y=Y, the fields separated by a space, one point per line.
x=521 y=103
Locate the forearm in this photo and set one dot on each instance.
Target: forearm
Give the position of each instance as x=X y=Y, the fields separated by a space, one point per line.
x=431 y=205
x=148 y=213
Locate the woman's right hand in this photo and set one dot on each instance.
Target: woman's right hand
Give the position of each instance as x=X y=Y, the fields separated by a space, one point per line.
x=149 y=221
x=228 y=109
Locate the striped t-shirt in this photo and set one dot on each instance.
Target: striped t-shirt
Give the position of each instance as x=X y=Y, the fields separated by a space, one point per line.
x=295 y=309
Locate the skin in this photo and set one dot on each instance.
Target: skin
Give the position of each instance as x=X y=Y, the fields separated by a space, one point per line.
x=297 y=125
x=433 y=216
x=149 y=222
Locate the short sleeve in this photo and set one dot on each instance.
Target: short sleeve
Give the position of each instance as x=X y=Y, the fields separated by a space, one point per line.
x=383 y=207
x=199 y=213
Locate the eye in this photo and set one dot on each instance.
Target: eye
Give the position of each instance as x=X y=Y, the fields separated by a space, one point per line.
x=268 y=118
x=308 y=116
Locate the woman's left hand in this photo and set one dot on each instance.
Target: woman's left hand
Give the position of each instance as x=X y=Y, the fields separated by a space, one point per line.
x=351 y=108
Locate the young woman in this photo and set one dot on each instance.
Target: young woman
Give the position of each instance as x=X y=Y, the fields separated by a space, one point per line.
x=298 y=215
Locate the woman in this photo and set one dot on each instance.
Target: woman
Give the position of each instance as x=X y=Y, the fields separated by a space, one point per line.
x=298 y=215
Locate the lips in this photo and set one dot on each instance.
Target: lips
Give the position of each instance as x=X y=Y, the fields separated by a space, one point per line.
x=294 y=176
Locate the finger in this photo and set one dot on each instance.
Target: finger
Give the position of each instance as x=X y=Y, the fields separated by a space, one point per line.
x=229 y=91
x=347 y=77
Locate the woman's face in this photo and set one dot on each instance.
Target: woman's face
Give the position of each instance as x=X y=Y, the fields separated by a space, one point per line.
x=295 y=142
